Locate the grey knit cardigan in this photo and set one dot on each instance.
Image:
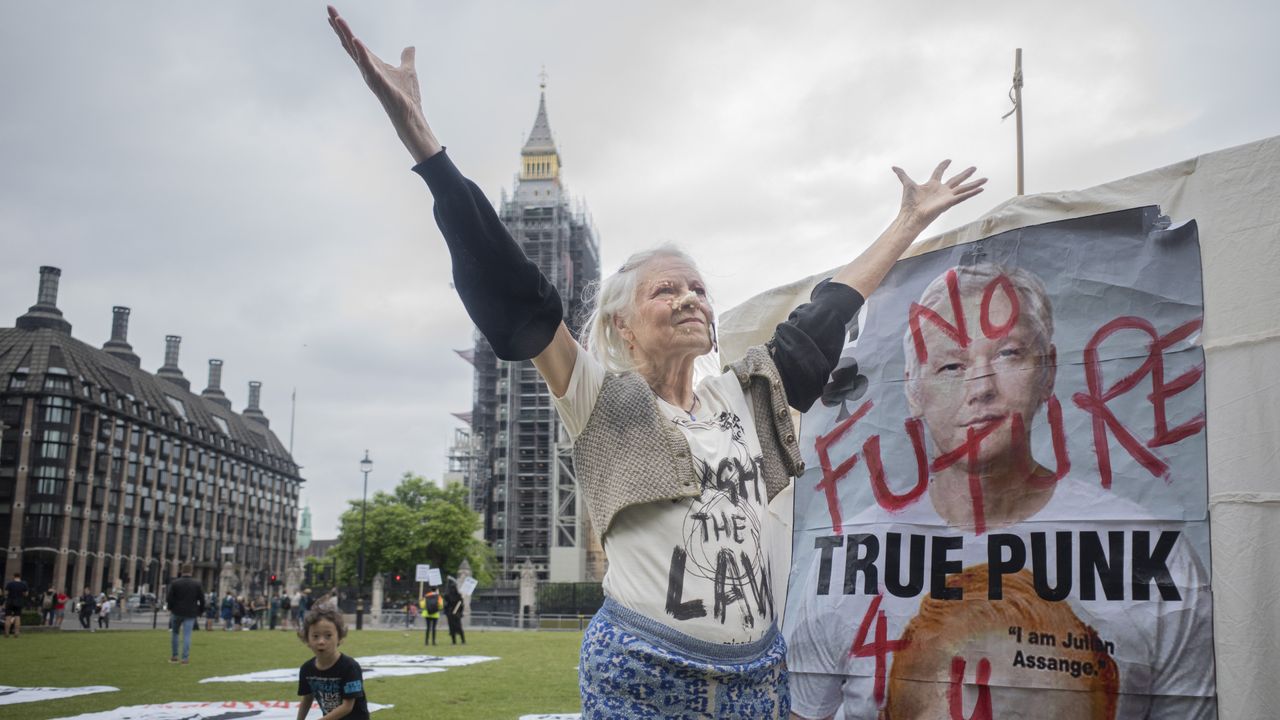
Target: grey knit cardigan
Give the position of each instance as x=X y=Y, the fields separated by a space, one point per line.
x=630 y=454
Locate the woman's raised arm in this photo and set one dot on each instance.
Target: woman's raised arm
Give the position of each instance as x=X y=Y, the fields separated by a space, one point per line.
x=505 y=295
x=921 y=205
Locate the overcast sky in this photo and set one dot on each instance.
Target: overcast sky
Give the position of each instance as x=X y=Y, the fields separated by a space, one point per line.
x=220 y=168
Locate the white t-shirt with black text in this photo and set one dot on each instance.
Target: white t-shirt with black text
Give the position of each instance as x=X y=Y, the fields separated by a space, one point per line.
x=698 y=565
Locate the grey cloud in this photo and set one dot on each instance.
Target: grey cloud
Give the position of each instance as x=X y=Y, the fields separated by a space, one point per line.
x=222 y=170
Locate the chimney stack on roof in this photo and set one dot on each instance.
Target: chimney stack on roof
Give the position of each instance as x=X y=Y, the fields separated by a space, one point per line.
x=45 y=313
x=214 y=393
x=170 y=370
x=48 y=294
x=118 y=346
x=254 y=412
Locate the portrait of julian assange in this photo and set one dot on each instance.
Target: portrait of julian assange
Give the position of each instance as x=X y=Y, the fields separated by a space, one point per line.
x=947 y=541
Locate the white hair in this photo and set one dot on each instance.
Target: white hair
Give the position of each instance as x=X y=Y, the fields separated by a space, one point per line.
x=615 y=297
x=1035 y=309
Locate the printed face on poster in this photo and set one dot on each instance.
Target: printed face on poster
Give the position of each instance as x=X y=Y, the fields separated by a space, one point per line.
x=1006 y=507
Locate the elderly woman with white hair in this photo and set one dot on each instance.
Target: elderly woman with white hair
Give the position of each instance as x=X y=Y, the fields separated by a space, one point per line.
x=676 y=477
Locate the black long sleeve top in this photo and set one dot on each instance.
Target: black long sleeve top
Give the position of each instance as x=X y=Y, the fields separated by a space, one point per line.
x=518 y=310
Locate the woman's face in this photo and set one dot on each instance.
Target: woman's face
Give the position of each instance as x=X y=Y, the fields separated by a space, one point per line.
x=672 y=317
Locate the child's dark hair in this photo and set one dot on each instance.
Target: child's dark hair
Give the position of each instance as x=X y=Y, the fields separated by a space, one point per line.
x=317 y=614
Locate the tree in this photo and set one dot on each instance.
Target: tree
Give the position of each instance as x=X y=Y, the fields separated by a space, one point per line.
x=417 y=522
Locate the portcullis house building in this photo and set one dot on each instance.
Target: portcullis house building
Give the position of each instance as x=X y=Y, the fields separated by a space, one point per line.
x=112 y=476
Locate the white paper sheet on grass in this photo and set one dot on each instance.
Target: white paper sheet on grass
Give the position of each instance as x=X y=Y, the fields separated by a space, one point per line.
x=374 y=666
x=10 y=695
x=216 y=710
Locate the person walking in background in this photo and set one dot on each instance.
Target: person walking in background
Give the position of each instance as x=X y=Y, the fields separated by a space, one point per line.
x=431 y=613
x=286 y=609
x=88 y=604
x=46 y=608
x=252 y=619
x=59 y=608
x=185 y=600
x=301 y=604
x=228 y=610
x=210 y=611
x=15 y=592
x=104 y=613
x=453 y=612
x=410 y=614
x=274 y=613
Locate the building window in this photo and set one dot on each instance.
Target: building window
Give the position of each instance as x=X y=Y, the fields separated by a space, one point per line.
x=54 y=383
x=56 y=410
x=54 y=444
x=50 y=480
x=41 y=529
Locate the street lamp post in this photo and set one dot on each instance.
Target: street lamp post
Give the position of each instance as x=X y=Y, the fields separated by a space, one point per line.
x=366 y=465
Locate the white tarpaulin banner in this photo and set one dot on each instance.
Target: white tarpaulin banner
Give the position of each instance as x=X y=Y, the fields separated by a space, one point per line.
x=217 y=710
x=13 y=695
x=1232 y=194
x=373 y=666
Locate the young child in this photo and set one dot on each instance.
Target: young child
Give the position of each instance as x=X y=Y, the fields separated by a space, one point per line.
x=331 y=679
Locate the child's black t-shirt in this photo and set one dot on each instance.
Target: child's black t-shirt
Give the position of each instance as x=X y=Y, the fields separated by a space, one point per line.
x=329 y=687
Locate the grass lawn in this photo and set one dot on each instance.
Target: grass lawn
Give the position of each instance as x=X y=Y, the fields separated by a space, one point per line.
x=536 y=672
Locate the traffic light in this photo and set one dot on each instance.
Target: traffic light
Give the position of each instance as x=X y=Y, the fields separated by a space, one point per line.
x=273 y=579
x=397 y=577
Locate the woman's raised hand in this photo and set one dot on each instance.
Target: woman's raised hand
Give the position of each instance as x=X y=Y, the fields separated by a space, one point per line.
x=395 y=87
x=922 y=203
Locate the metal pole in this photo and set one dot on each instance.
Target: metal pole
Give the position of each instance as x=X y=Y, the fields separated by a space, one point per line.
x=155 y=603
x=1017 y=106
x=364 y=509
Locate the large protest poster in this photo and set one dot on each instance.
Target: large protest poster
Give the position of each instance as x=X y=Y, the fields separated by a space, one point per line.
x=1005 y=511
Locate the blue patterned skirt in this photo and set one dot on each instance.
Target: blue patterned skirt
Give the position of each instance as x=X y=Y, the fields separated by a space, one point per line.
x=635 y=667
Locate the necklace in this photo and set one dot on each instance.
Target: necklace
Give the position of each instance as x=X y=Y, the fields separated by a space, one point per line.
x=693 y=405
